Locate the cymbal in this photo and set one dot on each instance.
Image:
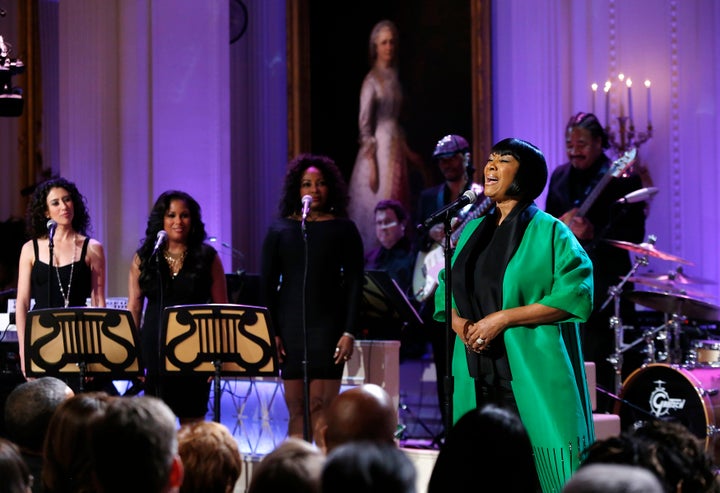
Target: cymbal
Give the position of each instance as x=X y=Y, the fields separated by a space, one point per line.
x=676 y=304
x=676 y=277
x=667 y=286
x=648 y=249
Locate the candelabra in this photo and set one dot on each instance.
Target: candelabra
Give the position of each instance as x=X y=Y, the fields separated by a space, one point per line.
x=623 y=135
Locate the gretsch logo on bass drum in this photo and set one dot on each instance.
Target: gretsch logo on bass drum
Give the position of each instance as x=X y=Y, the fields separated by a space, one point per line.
x=660 y=401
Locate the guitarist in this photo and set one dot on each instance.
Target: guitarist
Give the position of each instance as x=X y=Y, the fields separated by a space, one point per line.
x=570 y=184
x=452 y=156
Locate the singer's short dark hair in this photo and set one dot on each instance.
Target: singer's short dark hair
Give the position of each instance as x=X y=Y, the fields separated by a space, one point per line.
x=36 y=216
x=337 y=199
x=531 y=175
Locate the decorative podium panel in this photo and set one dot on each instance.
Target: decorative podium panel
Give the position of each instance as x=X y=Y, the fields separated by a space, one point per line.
x=88 y=341
x=218 y=340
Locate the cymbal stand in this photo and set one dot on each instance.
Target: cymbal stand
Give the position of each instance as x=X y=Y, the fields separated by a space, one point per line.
x=674 y=348
x=616 y=325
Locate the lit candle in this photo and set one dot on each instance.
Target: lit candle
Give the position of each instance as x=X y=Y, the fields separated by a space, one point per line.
x=607 y=103
x=649 y=112
x=594 y=88
x=628 y=83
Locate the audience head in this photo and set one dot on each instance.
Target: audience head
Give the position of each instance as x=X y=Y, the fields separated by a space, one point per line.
x=210 y=457
x=490 y=437
x=613 y=478
x=66 y=455
x=369 y=467
x=668 y=449
x=531 y=175
x=294 y=465
x=37 y=211
x=15 y=475
x=365 y=412
x=135 y=447
x=390 y=222
x=28 y=410
x=336 y=200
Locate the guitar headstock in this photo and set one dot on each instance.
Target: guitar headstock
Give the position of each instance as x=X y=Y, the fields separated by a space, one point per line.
x=623 y=163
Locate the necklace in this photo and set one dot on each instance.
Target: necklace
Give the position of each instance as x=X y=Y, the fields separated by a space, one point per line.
x=72 y=271
x=175 y=262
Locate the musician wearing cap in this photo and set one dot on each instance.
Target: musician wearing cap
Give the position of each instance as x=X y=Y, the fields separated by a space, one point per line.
x=452 y=156
x=521 y=283
x=587 y=194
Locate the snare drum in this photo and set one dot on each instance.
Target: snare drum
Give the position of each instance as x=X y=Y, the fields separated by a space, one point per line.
x=686 y=395
x=705 y=353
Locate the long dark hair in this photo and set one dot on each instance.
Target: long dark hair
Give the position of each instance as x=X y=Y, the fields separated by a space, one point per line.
x=155 y=224
x=37 y=208
x=337 y=199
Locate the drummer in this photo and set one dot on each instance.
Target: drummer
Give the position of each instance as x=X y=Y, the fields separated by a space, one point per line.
x=571 y=184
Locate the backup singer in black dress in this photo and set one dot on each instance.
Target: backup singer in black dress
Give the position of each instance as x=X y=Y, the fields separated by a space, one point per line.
x=331 y=289
x=77 y=270
x=186 y=271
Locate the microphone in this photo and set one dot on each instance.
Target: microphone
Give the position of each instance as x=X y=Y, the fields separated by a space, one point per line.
x=306 y=201
x=638 y=195
x=161 y=238
x=51 y=225
x=469 y=197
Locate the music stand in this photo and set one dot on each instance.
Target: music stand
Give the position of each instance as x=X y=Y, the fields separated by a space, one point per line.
x=384 y=301
x=218 y=339
x=82 y=340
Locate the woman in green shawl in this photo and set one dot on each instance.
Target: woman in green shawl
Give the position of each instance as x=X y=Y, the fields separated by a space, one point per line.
x=521 y=283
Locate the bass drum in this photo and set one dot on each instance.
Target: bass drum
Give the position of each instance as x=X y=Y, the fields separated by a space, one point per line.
x=686 y=395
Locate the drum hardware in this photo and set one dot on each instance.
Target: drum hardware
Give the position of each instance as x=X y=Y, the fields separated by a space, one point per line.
x=614 y=292
x=667 y=287
x=648 y=249
x=676 y=277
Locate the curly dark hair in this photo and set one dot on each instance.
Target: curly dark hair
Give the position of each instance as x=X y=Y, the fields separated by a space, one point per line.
x=337 y=199
x=155 y=224
x=36 y=217
x=668 y=449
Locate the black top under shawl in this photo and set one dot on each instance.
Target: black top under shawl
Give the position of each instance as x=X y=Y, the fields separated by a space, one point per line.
x=479 y=271
x=42 y=273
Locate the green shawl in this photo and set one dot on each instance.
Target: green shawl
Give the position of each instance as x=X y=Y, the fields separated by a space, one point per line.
x=550 y=267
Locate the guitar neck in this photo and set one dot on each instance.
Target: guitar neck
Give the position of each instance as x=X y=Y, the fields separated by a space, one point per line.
x=475 y=212
x=592 y=197
x=616 y=169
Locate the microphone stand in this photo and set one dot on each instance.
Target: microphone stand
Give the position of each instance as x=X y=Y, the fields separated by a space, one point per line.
x=161 y=302
x=448 y=382
x=306 y=377
x=51 y=247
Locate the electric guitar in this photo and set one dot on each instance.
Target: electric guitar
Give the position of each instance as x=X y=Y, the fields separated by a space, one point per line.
x=429 y=264
x=617 y=168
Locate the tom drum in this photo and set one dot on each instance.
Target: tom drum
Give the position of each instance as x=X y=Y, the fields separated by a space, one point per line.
x=705 y=353
x=686 y=395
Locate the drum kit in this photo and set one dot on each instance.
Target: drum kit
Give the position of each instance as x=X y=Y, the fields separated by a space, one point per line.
x=673 y=384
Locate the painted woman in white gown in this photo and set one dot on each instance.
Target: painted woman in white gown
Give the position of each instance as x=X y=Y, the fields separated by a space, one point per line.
x=380 y=170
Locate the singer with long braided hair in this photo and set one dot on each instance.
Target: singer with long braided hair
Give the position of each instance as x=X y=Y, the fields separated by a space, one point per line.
x=311 y=281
